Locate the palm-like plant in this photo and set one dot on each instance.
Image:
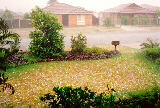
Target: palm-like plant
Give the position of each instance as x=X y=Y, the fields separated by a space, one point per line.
x=9 y=43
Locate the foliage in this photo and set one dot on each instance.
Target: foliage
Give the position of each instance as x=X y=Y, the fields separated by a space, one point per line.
x=9 y=43
x=22 y=58
x=140 y=20
x=157 y=13
x=149 y=44
x=5 y=85
x=152 y=53
x=96 y=50
x=46 y=42
x=158 y=61
x=151 y=50
x=77 y=98
x=124 y=20
x=78 y=43
x=26 y=15
x=135 y=20
x=142 y=99
x=146 y=20
x=7 y=15
x=108 y=22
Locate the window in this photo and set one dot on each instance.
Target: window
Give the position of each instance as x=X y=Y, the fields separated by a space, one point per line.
x=80 y=20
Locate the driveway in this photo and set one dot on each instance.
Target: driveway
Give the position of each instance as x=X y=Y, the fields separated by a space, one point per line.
x=127 y=38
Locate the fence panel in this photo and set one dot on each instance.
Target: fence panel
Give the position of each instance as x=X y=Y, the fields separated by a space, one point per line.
x=16 y=23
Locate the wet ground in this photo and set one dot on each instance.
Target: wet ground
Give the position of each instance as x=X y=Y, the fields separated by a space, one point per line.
x=127 y=38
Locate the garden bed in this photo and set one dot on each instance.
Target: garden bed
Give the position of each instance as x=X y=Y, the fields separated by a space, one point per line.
x=26 y=58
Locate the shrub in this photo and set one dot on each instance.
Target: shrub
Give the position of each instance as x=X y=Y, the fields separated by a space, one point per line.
x=46 y=42
x=68 y=97
x=152 y=53
x=9 y=43
x=149 y=44
x=158 y=61
x=142 y=99
x=108 y=22
x=124 y=20
x=96 y=50
x=78 y=43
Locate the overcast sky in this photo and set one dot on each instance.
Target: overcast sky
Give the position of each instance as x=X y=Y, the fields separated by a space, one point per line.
x=94 y=5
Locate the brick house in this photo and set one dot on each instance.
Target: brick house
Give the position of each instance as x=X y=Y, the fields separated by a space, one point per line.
x=132 y=13
x=153 y=8
x=150 y=7
x=70 y=15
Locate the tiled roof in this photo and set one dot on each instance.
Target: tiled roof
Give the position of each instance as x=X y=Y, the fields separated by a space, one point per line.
x=62 y=8
x=129 y=8
x=150 y=7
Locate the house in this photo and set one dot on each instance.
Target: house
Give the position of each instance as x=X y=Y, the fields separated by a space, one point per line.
x=153 y=8
x=128 y=14
x=150 y=7
x=16 y=15
x=70 y=15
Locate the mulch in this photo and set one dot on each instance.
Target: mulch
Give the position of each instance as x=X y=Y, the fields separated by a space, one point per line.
x=18 y=58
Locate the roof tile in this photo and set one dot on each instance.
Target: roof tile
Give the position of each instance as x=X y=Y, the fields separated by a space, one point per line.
x=62 y=8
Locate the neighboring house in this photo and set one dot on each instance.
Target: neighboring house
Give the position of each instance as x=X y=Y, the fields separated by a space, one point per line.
x=153 y=8
x=15 y=14
x=128 y=14
x=70 y=15
x=19 y=16
x=150 y=7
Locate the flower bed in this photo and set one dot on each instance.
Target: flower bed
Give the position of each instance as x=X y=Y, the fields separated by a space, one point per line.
x=27 y=58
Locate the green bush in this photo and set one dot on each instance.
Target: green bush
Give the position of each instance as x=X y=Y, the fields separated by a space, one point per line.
x=158 y=61
x=108 y=22
x=9 y=44
x=149 y=44
x=152 y=53
x=78 y=43
x=46 y=42
x=142 y=99
x=68 y=97
x=96 y=50
x=124 y=20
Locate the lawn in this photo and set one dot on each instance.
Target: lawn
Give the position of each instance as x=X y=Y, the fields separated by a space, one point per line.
x=126 y=72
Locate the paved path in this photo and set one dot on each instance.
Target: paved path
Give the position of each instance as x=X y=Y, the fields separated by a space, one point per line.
x=127 y=38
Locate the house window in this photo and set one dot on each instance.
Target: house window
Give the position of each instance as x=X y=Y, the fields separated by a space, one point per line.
x=80 y=19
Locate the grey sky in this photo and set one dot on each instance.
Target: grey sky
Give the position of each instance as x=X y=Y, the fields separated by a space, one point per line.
x=94 y=5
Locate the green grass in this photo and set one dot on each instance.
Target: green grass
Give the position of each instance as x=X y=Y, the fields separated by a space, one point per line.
x=96 y=50
x=126 y=72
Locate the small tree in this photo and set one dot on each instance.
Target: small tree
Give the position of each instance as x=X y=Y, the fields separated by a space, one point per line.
x=27 y=15
x=158 y=13
x=9 y=43
x=146 y=20
x=108 y=22
x=78 y=43
x=124 y=20
x=7 y=15
x=47 y=41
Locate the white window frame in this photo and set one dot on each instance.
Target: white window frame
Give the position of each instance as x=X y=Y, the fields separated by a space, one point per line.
x=80 y=19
